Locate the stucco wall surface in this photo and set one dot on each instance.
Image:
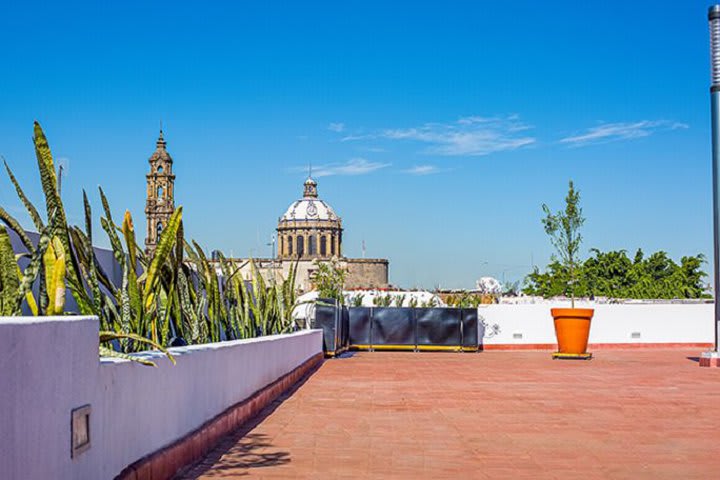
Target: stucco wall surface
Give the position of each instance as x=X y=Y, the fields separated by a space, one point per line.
x=655 y=323
x=50 y=366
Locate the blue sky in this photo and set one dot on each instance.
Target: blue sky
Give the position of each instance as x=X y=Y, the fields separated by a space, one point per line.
x=437 y=129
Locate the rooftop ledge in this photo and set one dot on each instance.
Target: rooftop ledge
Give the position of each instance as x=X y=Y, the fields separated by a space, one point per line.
x=43 y=320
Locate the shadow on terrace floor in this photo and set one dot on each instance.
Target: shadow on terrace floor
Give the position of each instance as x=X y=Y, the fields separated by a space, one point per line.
x=236 y=454
x=241 y=451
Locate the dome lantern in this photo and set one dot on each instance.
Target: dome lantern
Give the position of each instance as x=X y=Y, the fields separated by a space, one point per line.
x=310 y=188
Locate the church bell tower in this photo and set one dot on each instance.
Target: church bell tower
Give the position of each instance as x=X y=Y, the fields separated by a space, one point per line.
x=160 y=203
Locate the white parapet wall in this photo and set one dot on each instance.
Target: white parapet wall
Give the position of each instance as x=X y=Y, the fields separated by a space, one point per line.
x=50 y=366
x=635 y=324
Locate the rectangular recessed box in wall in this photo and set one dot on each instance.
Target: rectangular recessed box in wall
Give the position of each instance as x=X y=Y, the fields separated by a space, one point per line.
x=517 y=336
x=635 y=335
x=80 y=430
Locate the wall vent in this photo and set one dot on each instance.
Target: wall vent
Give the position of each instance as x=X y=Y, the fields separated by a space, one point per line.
x=635 y=335
x=517 y=336
x=80 y=430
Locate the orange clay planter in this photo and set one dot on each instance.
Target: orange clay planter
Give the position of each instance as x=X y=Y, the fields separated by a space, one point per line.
x=572 y=328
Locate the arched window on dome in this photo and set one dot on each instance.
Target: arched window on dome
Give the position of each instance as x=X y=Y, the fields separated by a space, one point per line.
x=289 y=244
x=312 y=247
x=332 y=245
x=160 y=193
x=159 y=229
x=160 y=169
x=323 y=246
x=300 y=246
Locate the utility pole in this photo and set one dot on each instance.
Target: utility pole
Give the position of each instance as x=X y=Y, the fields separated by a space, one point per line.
x=271 y=244
x=712 y=358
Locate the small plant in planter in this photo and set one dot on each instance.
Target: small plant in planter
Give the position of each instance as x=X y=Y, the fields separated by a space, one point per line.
x=383 y=300
x=572 y=325
x=329 y=280
x=357 y=300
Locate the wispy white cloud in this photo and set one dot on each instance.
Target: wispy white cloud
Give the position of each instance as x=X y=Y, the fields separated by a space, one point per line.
x=336 y=127
x=353 y=137
x=354 y=166
x=422 y=170
x=469 y=136
x=610 y=132
x=474 y=119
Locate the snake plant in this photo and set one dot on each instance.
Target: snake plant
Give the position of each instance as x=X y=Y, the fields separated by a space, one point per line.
x=178 y=293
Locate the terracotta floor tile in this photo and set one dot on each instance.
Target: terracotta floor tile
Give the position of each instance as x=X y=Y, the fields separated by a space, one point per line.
x=625 y=414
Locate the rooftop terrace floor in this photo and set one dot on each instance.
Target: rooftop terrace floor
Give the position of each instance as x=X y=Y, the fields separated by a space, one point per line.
x=625 y=414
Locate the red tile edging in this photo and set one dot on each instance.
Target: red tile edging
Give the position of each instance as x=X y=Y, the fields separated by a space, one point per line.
x=166 y=462
x=596 y=346
x=626 y=346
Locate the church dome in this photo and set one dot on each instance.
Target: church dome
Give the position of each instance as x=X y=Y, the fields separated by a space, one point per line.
x=310 y=207
x=309 y=228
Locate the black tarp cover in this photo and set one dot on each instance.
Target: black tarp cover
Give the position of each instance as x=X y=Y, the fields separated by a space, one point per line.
x=438 y=326
x=393 y=326
x=416 y=328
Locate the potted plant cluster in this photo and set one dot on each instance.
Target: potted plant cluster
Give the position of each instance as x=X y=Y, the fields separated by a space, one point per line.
x=572 y=325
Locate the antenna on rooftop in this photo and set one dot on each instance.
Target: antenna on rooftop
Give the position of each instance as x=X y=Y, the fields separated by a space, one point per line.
x=363 y=248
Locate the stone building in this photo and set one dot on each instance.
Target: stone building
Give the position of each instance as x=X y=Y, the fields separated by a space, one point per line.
x=160 y=200
x=308 y=231
x=311 y=231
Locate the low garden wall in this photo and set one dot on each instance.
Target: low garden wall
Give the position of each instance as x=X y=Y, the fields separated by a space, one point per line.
x=513 y=326
x=50 y=367
x=631 y=325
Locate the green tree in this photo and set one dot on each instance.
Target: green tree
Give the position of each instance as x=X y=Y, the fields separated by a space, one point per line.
x=329 y=280
x=553 y=282
x=692 y=276
x=563 y=228
x=612 y=274
x=606 y=274
x=639 y=255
